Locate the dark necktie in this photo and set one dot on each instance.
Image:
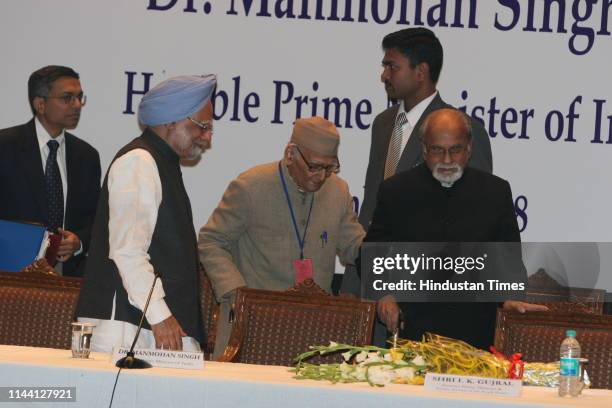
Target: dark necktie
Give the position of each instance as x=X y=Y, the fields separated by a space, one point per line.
x=53 y=189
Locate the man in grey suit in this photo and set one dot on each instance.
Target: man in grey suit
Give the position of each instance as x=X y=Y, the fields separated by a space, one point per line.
x=411 y=68
x=282 y=222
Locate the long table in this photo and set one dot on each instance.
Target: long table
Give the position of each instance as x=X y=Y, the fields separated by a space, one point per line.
x=235 y=386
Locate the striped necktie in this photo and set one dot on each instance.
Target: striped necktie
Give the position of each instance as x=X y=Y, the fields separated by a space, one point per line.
x=53 y=189
x=395 y=145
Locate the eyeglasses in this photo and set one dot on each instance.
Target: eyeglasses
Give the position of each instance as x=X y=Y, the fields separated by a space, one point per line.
x=205 y=126
x=317 y=168
x=69 y=98
x=438 y=151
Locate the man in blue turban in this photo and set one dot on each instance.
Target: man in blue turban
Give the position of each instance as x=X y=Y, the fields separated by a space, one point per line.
x=144 y=226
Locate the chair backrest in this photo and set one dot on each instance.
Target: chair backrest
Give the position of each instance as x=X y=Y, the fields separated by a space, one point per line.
x=36 y=278
x=543 y=289
x=37 y=314
x=538 y=336
x=210 y=313
x=273 y=327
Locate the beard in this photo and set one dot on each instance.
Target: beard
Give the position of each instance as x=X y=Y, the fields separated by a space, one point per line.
x=197 y=150
x=186 y=146
x=194 y=154
x=447 y=179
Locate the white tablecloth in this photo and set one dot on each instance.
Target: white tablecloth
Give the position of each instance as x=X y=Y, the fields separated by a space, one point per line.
x=236 y=386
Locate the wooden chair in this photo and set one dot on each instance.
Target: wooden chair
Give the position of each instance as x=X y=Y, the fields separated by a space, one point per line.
x=36 y=278
x=37 y=311
x=210 y=313
x=273 y=327
x=538 y=336
x=543 y=289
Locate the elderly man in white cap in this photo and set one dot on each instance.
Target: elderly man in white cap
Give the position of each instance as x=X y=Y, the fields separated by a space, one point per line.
x=282 y=222
x=144 y=226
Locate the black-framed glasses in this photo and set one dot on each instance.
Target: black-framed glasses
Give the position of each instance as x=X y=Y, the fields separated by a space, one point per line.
x=438 y=151
x=205 y=126
x=317 y=168
x=70 y=99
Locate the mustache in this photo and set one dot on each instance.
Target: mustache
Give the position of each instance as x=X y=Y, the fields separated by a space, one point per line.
x=448 y=166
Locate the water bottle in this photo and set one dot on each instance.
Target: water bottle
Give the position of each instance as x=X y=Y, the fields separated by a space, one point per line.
x=569 y=381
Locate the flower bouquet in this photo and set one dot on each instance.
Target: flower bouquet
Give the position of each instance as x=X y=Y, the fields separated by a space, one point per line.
x=376 y=365
x=408 y=362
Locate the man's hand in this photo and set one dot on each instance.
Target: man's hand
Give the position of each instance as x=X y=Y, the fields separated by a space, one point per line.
x=388 y=312
x=523 y=307
x=168 y=334
x=69 y=244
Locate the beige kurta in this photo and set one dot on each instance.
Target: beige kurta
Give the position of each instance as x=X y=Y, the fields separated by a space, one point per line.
x=249 y=240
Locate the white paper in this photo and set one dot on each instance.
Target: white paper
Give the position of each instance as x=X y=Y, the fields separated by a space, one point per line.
x=189 y=360
x=480 y=385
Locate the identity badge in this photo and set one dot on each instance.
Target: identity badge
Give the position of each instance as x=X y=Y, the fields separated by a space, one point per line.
x=303 y=269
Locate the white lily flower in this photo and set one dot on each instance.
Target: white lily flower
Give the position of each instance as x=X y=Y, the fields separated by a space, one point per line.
x=346 y=356
x=359 y=373
x=346 y=370
x=373 y=357
x=381 y=375
x=361 y=357
x=418 y=360
x=406 y=372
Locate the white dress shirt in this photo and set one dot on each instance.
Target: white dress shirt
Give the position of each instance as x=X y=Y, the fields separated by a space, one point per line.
x=413 y=117
x=43 y=138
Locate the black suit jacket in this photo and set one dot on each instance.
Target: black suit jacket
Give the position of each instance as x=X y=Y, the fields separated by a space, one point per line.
x=413 y=207
x=382 y=128
x=23 y=191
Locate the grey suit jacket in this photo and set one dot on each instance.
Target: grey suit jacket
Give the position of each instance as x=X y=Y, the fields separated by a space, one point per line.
x=250 y=240
x=382 y=128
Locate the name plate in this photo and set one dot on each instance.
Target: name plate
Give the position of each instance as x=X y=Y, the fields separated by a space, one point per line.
x=189 y=360
x=480 y=385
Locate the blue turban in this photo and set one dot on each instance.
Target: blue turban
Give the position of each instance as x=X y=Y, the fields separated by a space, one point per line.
x=176 y=98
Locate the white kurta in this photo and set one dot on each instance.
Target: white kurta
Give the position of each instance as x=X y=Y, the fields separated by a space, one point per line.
x=134 y=196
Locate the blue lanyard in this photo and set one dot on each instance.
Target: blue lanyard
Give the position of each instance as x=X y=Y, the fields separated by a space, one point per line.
x=301 y=240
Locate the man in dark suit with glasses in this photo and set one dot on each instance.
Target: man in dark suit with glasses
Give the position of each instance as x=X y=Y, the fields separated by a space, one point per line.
x=48 y=175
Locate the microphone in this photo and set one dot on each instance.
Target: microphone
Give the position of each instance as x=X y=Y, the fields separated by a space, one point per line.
x=129 y=361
